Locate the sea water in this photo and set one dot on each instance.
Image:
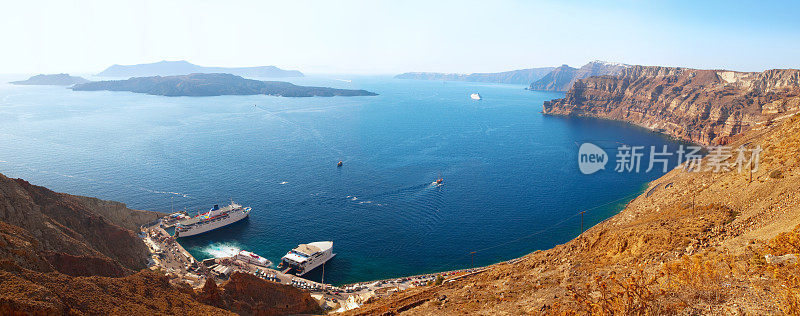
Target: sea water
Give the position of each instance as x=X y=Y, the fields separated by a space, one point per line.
x=511 y=178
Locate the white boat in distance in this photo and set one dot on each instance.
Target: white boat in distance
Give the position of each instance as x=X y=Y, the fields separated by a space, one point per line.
x=306 y=257
x=475 y=96
x=215 y=218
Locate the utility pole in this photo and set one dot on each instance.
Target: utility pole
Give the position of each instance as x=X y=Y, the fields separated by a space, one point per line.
x=472 y=261
x=582 y=212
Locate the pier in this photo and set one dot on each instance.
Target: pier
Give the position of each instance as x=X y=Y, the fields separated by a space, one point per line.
x=180 y=266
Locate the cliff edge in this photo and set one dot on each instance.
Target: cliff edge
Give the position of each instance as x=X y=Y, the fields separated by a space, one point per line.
x=702 y=106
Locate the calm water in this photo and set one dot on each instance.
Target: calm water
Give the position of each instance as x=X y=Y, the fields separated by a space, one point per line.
x=509 y=171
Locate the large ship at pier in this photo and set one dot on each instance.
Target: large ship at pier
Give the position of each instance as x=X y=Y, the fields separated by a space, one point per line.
x=215 y=218
x=305 y=257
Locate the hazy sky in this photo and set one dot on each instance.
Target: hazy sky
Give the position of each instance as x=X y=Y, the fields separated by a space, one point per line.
x=397 y=36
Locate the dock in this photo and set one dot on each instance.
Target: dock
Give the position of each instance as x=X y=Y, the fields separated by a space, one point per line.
x=181 y=267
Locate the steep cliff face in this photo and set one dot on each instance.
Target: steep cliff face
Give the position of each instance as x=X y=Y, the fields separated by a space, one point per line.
x=562 y=78
x=64 y=254
x=701 y=106
x=246 y=294
x=46 y=231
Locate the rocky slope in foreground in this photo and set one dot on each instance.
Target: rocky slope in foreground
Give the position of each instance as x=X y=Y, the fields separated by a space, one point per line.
x=522 y=76
x=246 y=294
x=213 y=85
x=65 y=254
x=562 y=78
x=693 y=243
x=701 y=106
x=51 y=80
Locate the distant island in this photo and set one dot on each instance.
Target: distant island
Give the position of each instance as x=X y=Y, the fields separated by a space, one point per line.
x=213 y=85
x=522 y=76
x=182 y=67
x=562 y=78
x=52 y=80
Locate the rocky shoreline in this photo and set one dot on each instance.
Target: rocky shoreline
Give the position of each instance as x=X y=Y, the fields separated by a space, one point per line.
x=700 y=106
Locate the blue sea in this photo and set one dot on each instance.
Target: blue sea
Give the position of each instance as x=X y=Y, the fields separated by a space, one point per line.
x=511 y=178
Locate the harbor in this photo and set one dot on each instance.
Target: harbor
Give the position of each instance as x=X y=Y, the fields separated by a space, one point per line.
x=167 y=255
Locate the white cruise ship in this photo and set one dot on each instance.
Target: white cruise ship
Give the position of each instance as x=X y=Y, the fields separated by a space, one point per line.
x=215 y=218
x=306 y=257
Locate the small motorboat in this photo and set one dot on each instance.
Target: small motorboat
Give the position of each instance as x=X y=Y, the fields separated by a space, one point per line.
x=339 y=164
x=475 y=96
x=439 y=181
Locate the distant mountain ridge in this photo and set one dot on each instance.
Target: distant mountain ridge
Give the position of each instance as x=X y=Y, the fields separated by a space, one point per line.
x=182 y=67
x=562 y=78
x=51 y=80
x=214 y=84
x=522 y=76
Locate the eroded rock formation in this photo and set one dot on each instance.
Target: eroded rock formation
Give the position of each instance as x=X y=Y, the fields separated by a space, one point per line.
x=701 y=106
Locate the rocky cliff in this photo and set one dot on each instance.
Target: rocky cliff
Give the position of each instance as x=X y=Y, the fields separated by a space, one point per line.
x=46 y=231
x=694 y=243
x=246 y=294
x=562 y=78
x=522 y=76
x=701 y=106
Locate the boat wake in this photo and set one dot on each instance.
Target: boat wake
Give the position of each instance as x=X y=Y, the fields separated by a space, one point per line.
x=166 y=192
x=219 y=250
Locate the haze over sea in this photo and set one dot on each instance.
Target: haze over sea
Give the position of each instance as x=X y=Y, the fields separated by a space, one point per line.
x=509 y=172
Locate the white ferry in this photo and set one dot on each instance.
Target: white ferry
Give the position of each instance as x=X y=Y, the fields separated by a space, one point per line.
x=252 y=258
x=475 y=96
x=306 y=257
x=215 y=218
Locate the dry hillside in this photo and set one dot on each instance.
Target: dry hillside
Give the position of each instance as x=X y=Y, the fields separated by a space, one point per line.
x=695 y=242
x=64 y=254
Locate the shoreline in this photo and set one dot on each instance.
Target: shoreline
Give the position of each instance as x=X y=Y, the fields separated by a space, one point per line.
x=629 y=123
x=348 y=296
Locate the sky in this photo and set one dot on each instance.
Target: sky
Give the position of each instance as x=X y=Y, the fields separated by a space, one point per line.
x=388 y=37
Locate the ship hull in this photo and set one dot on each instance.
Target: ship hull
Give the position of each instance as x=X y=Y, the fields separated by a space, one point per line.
x=307 y=257
x=234 y=218
x=316 y=264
